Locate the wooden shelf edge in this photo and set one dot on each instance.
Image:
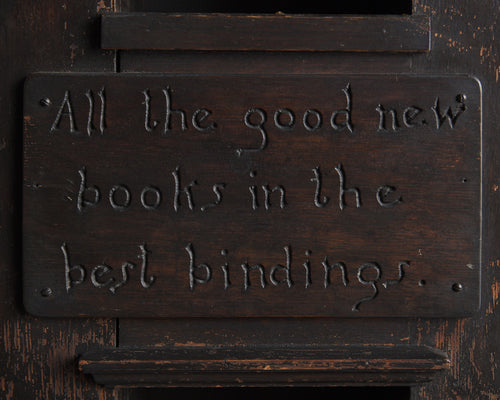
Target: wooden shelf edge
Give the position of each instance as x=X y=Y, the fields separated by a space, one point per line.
x=309 y=366
x=230 y=32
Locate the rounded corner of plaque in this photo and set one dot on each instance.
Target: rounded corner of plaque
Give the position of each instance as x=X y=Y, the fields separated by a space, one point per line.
x=478 y=81
x=32 y=306
x=32 y=76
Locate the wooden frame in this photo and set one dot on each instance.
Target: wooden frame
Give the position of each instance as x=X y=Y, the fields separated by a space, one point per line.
x=40 y=355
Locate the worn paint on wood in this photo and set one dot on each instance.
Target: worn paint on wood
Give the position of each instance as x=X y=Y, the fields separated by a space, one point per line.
x=38 y=356
x=39 y=37
x=464 y=41
x=264 y=364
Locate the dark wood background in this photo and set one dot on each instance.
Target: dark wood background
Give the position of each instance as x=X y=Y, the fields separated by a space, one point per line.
x=262 y=6
x=38 y=355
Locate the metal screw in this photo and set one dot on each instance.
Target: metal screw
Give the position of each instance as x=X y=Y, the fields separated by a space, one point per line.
x=422 y=283
x=45 y=102
x=457 y=287
x=461 y=98
x=46 y=292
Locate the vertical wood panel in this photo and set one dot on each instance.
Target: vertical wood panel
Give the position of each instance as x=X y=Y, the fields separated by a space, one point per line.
x=250 y=331
x=463 y=36
x=38 y=356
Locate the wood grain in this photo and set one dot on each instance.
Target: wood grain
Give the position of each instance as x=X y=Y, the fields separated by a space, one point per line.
x=387 y=257
x=325 y=366
x=38 y=356
x=222 y=32
x=463 y=42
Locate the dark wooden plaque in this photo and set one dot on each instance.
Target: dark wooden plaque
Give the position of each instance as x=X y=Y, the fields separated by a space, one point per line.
x=246 y=196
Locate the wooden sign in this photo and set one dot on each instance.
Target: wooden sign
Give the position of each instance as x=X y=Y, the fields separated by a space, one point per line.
x=251 y=196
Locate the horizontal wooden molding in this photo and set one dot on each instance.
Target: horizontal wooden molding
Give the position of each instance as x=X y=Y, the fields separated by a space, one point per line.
x=225 y=32
x=309 y=366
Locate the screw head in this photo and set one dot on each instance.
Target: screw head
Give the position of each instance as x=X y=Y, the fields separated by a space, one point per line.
x=457 y=287
x=45 y=102
x=46 y=292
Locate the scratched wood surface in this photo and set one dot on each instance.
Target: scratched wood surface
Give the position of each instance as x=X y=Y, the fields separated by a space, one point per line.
x=336 y=208
x=37 y=356
x=462 y=42
x=464 y=39
x=462 y=31
x=256 y=366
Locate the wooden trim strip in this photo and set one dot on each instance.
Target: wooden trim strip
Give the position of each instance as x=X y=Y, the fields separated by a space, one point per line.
x=354 y=364
x=226 y=32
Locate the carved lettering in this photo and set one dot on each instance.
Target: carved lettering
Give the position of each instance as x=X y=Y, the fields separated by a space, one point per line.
x=197 y=206
x=448 y=114
x=368 y=274
x=318 y=200
x=90 y=122
x=66 y=104
x=200 y=116
x=97 y=274
x=343 y=190
x=169 y=111
x=268 y=192
x=193 y=268
x=412 y=115
x=178 y=191
x=290 y=119
x=370 y=282
x=285 y=268
x=409 y=116
x=383 y=112
x=347 y=123
x=146 y=281
x=401 y=270
x=82 y=201
x=148 y=124
x=312 y=114
x=102 y=114
x=124 y=203
x=155 y=193
x=307 y=266
x=258 y=125
x=246 y=269
x=253 y=192
x=383 y=192
x=217 y=189
x=69 y=269
x=225 y=271
x=329 y=267
x=120 y=197
x=125 y=277
x=101 y=276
